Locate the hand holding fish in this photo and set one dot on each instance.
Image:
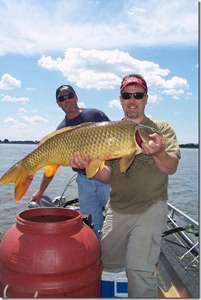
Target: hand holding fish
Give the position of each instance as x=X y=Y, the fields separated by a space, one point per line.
x=77 y=161
x=165 y=161
x=154 y=146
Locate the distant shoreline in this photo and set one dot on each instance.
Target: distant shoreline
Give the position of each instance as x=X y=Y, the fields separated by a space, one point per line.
x=6 y=141
x=189 y=145
x=18 y=142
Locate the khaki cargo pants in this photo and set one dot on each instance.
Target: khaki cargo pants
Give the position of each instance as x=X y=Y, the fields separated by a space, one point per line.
x=133 y=241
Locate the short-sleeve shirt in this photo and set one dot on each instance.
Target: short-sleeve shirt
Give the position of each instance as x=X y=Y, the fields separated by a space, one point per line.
x=143 y=183
x=86 y=115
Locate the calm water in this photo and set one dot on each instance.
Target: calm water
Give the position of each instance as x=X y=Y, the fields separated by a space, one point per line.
x=183 y=186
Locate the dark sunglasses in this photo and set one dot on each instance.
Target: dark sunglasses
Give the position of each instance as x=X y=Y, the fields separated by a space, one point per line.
x=137 y=96
x=68 y=96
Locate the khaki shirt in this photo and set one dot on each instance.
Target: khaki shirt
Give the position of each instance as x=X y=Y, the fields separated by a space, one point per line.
x=143 y=183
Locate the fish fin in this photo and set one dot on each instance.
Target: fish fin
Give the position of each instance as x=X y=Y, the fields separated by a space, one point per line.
x=61 y=130
x=102 y=165
x=50 y=170
x=18 y=175
x=93 y=167
x=54 y=133
x=163 y=139
x=126 y=161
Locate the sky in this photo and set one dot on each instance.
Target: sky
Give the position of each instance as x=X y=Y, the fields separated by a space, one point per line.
x=92 y=45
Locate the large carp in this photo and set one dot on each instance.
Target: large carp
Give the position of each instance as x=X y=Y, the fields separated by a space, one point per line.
x=100 y=141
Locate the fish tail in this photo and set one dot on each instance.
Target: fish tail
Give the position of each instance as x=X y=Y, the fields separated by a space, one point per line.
x=18 y=175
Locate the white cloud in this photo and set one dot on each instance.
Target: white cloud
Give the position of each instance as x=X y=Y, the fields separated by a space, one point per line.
x=175 y=97
x=134 y=11
x=14 y=99
x=154 y=98
x=30 y=89
x=25 y=111
x=173 y=92
x=81 y=104
x=15 y=123
x=157 y=81
x=103 y=69
x=9 y=82
x=33 y=27
x=176 y=82
x=115 y=104
x=87 y=68
x=20 y=125
x=10 y=120
x=34 y=119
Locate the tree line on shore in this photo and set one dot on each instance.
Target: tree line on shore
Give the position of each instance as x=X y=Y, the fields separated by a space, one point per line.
x=6 y=141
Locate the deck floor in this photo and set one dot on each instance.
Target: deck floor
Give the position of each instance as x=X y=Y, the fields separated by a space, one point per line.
x=171 y=269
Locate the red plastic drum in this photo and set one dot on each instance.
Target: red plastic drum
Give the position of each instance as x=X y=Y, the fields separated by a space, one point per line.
x=50 y=252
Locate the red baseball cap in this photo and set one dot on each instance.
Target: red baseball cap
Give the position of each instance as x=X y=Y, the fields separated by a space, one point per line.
x=131 y=80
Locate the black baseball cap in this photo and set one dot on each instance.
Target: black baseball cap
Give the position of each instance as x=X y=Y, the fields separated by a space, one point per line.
x=63 y=88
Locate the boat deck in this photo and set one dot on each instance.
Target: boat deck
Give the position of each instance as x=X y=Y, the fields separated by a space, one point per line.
x=178 y=277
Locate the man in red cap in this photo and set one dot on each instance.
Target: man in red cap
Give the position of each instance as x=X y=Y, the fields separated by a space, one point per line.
x=136 y=212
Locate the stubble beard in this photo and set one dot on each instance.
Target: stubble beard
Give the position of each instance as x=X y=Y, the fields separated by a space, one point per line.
x=131 y=115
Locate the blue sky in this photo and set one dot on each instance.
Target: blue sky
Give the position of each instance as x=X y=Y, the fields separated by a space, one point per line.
x=91 y=45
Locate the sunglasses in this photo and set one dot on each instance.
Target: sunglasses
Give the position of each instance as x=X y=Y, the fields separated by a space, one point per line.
x=68 y=96
x=137 y=96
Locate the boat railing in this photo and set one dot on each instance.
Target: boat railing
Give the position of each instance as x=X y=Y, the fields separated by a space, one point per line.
x=174 y=210
x=178 y=219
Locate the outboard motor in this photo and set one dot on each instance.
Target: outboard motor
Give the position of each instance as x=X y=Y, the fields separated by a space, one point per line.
x=46 y=201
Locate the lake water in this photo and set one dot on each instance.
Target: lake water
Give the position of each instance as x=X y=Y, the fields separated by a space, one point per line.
x=183 y=185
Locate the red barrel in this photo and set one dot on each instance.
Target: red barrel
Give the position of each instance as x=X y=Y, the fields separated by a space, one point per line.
x=50 y=252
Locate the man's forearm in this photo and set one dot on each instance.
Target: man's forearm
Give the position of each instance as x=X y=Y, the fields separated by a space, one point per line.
x=104 y=174
x=45 y=182
x=166 y=162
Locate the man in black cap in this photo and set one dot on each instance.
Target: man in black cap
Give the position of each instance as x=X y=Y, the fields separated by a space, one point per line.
x=93 y=194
